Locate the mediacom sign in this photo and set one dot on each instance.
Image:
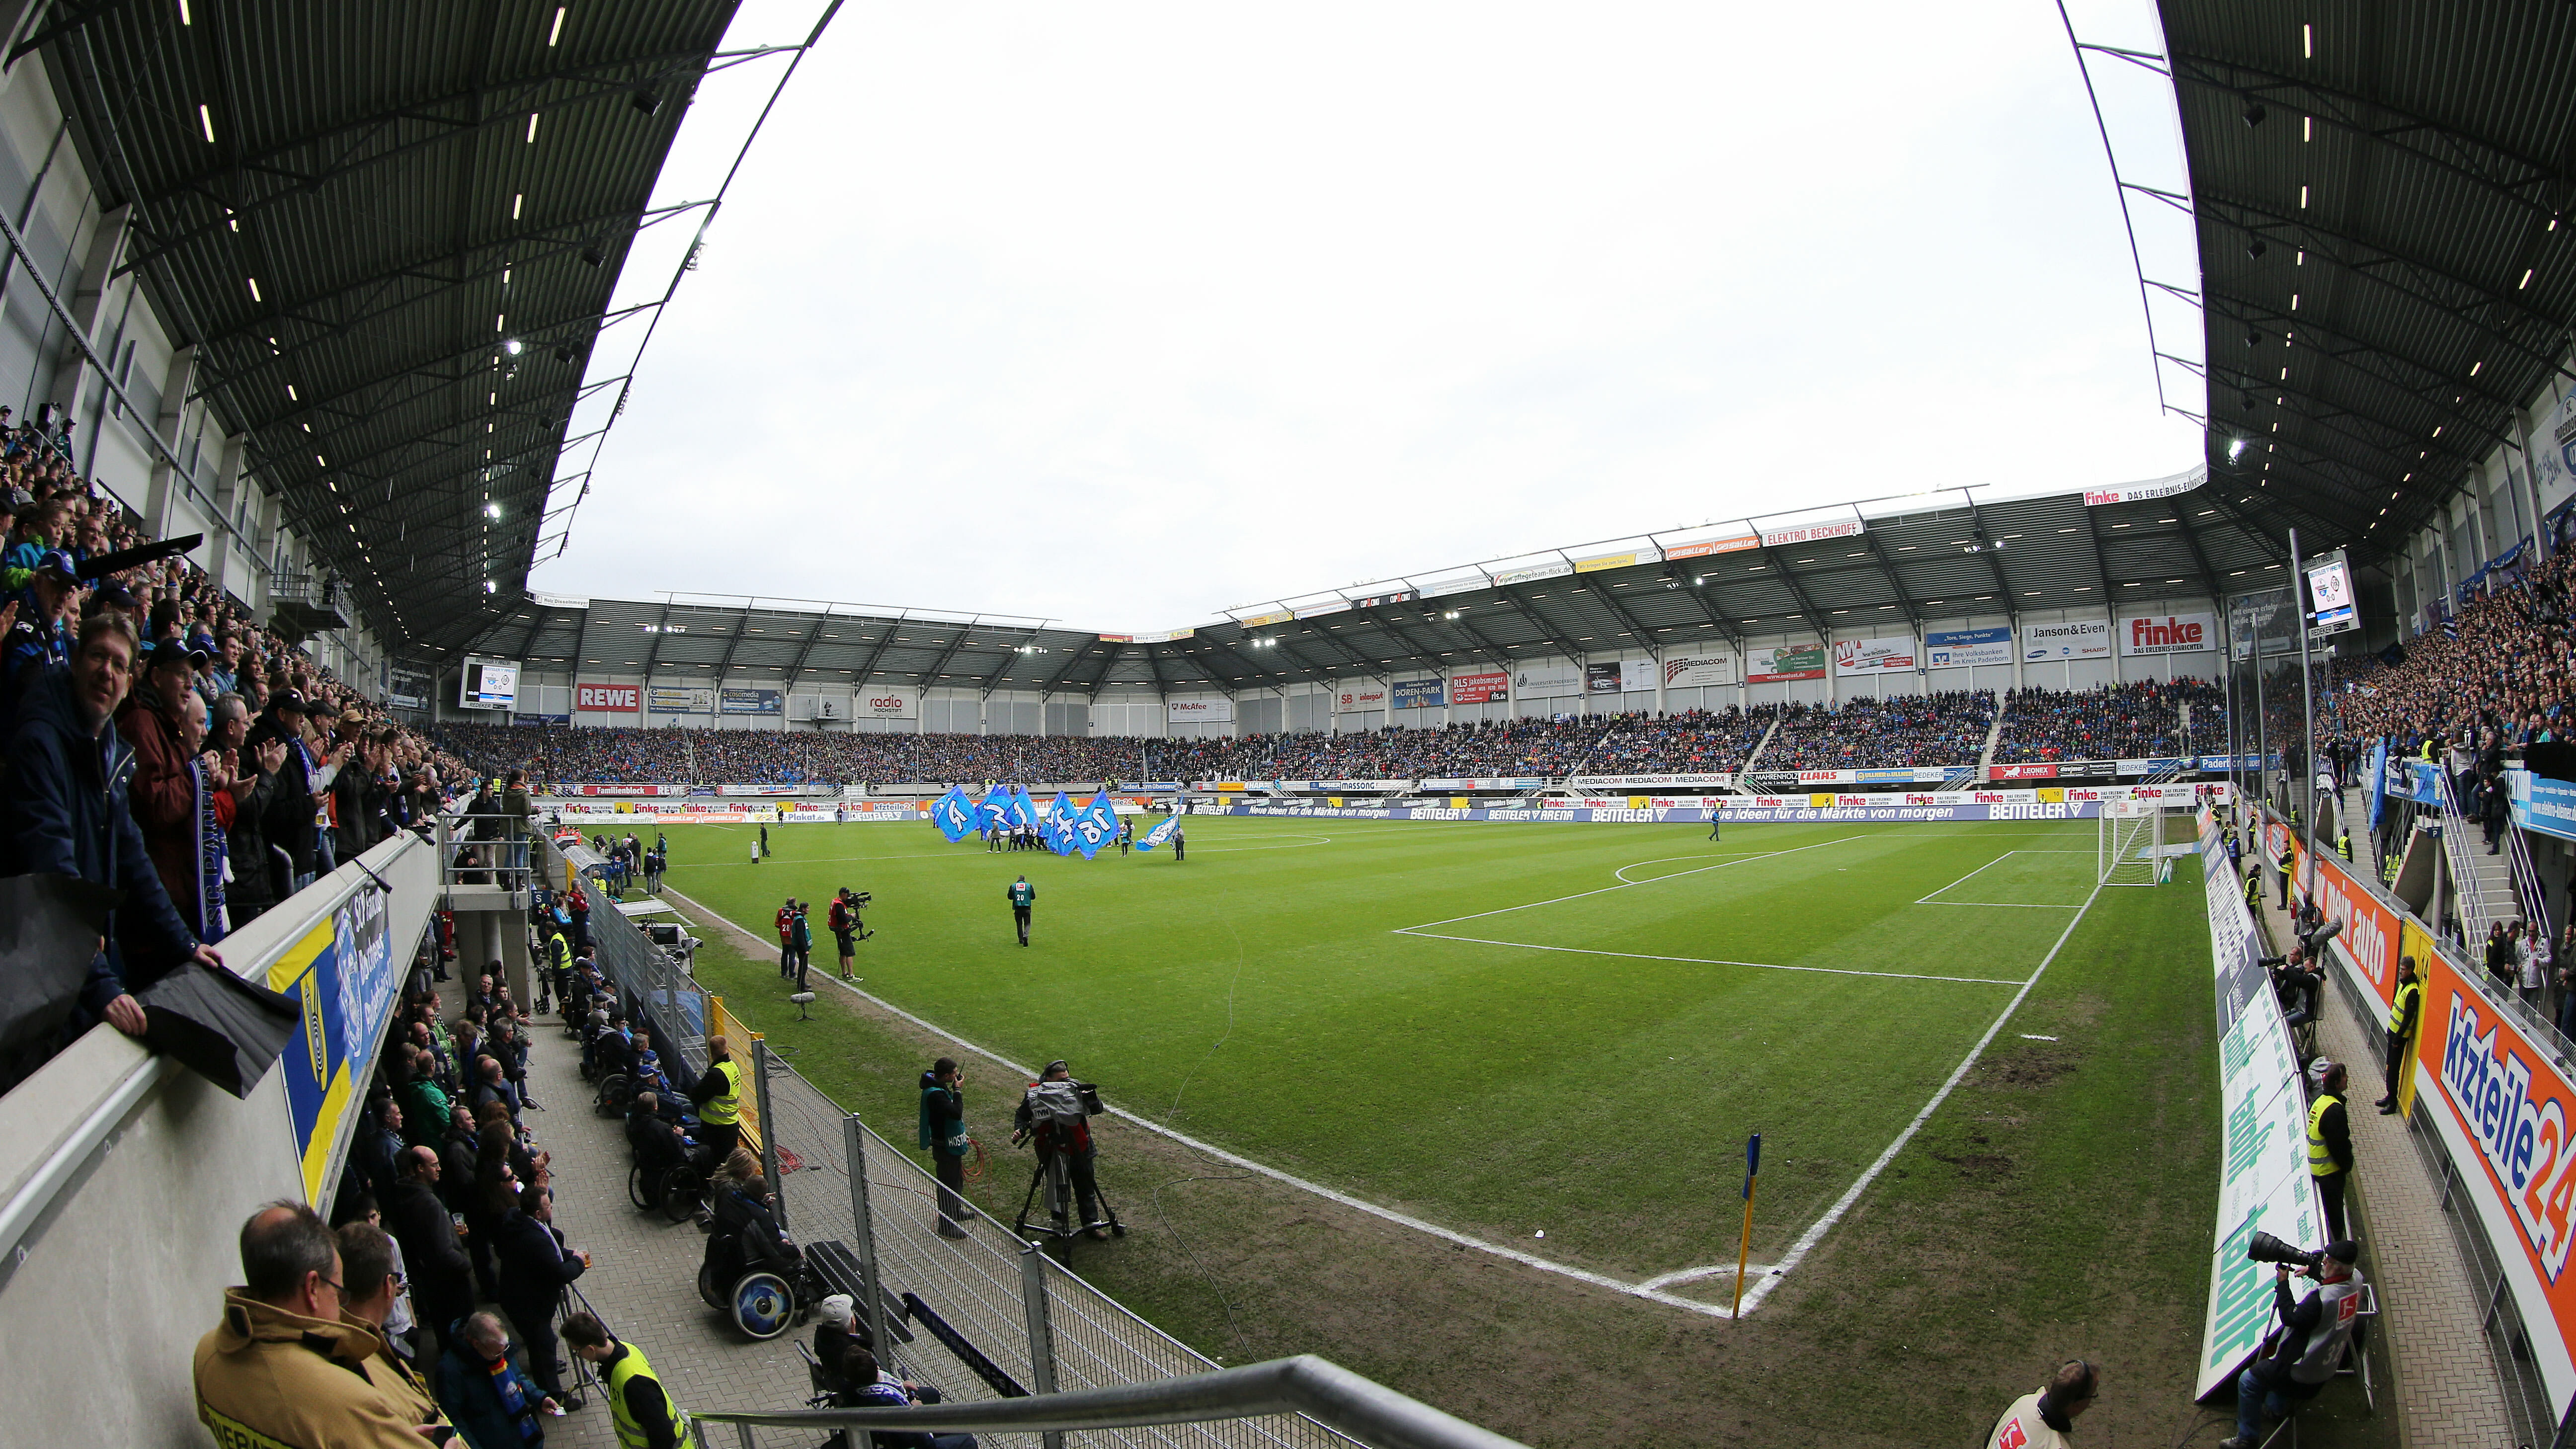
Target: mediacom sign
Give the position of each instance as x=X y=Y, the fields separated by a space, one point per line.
x=609 y=698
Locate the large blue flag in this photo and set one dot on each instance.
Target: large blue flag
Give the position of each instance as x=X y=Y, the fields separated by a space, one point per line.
x=1089 y=833
x=995 y=811
x=1059 y=826
x=1171 y=826
x=954 y=814
x=1024 y=811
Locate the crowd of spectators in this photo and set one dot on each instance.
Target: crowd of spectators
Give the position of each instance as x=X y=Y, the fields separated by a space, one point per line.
x=2136 y=721
x=1902 y=731
x=2499 y=675
x=161 y=743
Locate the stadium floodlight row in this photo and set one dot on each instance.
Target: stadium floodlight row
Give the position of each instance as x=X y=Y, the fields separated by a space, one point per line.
x=1879 y=585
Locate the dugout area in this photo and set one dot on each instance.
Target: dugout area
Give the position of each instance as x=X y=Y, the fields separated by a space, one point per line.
x=1504 y=1029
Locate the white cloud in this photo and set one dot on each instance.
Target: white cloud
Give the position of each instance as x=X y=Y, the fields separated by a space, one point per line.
x=1120 y=314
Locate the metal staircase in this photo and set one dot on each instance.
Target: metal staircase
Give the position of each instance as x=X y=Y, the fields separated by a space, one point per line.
x=1994 y=740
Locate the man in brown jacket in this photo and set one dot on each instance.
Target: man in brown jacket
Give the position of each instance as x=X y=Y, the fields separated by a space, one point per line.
x=165 y=793
x=288 y=1366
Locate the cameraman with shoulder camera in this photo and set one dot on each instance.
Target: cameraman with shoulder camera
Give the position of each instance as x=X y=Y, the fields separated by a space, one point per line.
x=2314 y=1333
x=1056 y=1111
x=847 y=931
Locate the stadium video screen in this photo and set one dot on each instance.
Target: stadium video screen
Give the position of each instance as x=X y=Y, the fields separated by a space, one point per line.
x=489 y=684
x=2330 y=589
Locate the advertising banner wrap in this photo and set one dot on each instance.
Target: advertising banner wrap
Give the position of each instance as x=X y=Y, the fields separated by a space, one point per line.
x=1873 y=656
x=1753 y=810
x=2169 y=634
x=342 y=975
x=1627 y=674
x=1702 y=548
x=1698 y=671
x=750 y=701
x=679 y=699
x=2542 y=804
x=1961 y=648
x=2075 y=639
x=1532 y=573
x=1786 y=661
x=1479 y=688
x=1811 y=533
x=1638 y=782
x=1546 y=681
x=1366 y=696
x=1199 y=711
x=608 y=698
x=1420 y=693
x=886 y=702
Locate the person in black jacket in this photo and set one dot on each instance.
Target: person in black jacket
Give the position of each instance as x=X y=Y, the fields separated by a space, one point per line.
x=63 y=812
x=535 y=1266
x=254 y=886
x=442 y=1277
x=288 y=821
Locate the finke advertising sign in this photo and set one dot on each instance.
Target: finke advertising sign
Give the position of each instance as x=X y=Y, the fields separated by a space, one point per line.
x=2073 y=639
x=1873 y=656
x=608 y=698
x=1199 y=711
x=2168 y=634
x=1479 y=688
x=887 y=703
x=1961 y=648
x=1698 y=671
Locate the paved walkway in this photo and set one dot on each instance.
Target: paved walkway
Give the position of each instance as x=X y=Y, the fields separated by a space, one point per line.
x=2431 y=1307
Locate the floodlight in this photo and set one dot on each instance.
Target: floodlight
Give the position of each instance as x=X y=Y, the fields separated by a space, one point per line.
x=513 y=347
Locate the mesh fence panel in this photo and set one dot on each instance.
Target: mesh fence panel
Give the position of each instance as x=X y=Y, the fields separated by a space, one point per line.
x=645 y=974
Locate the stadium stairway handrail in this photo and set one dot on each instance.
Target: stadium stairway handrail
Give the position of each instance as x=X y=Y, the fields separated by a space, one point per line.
x=1315 y=1387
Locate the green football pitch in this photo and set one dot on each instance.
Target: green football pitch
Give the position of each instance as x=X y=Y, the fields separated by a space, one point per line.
x=1503 y=1029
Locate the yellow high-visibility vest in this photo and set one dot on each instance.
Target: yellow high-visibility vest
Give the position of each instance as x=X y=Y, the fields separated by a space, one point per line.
x=2408 y=992
x=724 y=1109
x=2321 y=1162
x=630 y=1366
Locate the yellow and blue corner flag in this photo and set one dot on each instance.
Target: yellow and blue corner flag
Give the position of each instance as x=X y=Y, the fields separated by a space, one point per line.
x=954 y=814
x=1752 y=1163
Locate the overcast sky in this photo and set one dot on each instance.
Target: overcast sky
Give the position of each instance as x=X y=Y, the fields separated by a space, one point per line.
x=1122 y=314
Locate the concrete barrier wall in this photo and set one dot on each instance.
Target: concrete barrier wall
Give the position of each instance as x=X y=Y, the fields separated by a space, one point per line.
x=107 y=1288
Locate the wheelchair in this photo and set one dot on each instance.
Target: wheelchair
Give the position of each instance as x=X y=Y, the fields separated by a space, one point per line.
x=763 y=1297
x=616 y=1092
x=676 y=1190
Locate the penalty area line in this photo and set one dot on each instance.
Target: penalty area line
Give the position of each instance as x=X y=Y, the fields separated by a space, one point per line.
x=1816 y=1231
x=1712 y=961
x=1628 y=884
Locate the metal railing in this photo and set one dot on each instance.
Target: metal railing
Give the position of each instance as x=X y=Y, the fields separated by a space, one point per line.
x=1306 y=1388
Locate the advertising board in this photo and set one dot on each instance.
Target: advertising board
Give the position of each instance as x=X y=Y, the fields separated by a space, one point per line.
x=1610 y=561
x=1698 y=671
x=2072 y=639
x=750 y=701
x=1626 y=674
x=1532 y=573
x=1420 y=693
x=1703 y=548
x=1479 y=688
x=1199 y=711
x=2168 y=634
x=341 y=975
x=2541 y=804
x=679 y=699
x=1962 y=648
x=886 y=702
x=1637 y=782
x=1811 y=533
x=1784 y=661
x=1362 y=697
x=1873 y=656
x=608 y=698
x=1545 y=681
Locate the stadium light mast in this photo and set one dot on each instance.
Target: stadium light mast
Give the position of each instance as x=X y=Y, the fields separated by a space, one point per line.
x=2307 y=710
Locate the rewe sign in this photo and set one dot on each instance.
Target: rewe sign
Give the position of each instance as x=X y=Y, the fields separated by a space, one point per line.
x=2171 y=634
x=608 y=698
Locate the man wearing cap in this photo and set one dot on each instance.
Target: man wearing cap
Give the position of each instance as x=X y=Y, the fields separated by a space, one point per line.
x=170 y=794
x=288 y=825
x=36 y=642
x=2315 y=1331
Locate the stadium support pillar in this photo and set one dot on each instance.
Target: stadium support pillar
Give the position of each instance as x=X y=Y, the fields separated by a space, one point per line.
x=14 y=15
x=2530 y=479
x=228 y=560
x=161 y=493
x=1657 y=655
x=98 y=271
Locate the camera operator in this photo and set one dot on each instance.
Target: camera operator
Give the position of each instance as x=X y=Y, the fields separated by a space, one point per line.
x=2314 y=1333
x=1055 y=1110
x=2295 y=983
x=847 y=931
x=2045 y=1417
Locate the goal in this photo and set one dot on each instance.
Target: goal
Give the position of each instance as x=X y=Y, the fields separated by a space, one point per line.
x=2129 y=844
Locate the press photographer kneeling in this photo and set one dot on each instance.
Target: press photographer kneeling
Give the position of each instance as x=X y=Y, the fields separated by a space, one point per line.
x=1055 y=1111
x=2300 y=1357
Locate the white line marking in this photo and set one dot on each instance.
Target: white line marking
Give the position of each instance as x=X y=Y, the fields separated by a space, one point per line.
x=1815 y=1233
x=1676 y=875
x=1926 y=898
x=1622 y=872
x=2035 y=1036
x=1711 y=1270
x=1713 y=961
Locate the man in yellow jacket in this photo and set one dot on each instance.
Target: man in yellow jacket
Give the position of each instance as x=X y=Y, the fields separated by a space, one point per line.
x=288 y=1369
x=2045 y=1417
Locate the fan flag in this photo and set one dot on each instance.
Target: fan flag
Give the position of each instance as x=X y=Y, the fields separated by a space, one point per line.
x=954 y=814
x=1094 y=825
x=1060 y=835
x=995 y=811
x=1024 y=811
x=1170 y=827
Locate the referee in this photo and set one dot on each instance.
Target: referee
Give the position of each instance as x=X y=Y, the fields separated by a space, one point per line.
x=1024 y=898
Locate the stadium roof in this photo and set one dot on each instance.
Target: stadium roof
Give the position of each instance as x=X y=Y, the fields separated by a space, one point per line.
x=349 y=207
x=1897 y=564
x=2381 y=195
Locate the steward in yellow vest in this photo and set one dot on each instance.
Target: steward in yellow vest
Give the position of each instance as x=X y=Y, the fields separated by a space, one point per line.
x=638 y=1407
x=719 y=1098
x=2405 y=1015
x=2329 y=1143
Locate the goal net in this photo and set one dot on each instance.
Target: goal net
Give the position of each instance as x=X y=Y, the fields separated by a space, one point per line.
x=2131 y=833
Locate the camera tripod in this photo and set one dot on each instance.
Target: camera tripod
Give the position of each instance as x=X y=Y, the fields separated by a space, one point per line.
x=1057 y=1179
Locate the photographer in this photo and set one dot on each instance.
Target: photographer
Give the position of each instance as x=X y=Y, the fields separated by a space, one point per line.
x=2295 y=984
x=2314 y=1333
x=2045 y=1417
x=1056 y=1112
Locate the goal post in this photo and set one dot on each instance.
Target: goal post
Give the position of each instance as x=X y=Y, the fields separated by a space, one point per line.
x=2128 y=841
